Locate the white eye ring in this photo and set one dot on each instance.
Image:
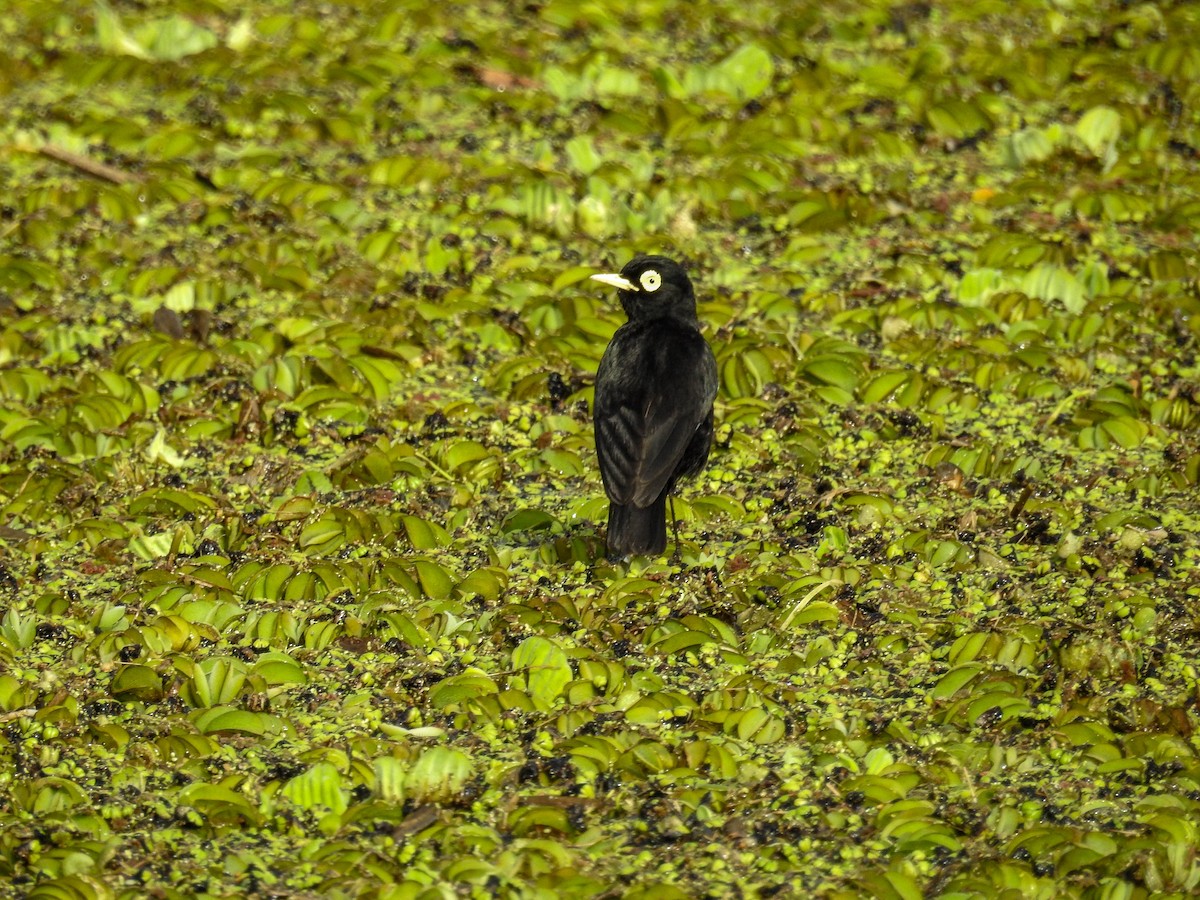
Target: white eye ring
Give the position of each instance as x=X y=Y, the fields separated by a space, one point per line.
x=650 y=281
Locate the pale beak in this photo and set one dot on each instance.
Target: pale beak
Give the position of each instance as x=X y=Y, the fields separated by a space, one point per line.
x=623 y=284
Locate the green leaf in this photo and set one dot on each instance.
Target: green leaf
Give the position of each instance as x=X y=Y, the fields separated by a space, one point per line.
x=219 y=804
x=1050 y=282
x=575 y=275
x=683 y=640
x=324 y=535
x=14 y=694
x=957 y=119
x=882 y=386
x=434 y=580
x=1029 y=145
x=1099 y=129
x=390 y=777
x=215 y=681
x=167 y=39
x=158 y=450
x=581 y=151
x=468 y=685
x=549 y=670
x=111 y=36
x=174 y=38
x=482 y=583
x=133 y=682
x=424 y=535
x=461 y=455
x=276 y=667
x=954 y=680
x=226 y=720
x=528 y=520
x=747 y=72
x=438 y=775
x=1125 y=431
x=977 y=285
x=321 y=786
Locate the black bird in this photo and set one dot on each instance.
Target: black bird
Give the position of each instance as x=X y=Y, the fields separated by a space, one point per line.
x=654 y=402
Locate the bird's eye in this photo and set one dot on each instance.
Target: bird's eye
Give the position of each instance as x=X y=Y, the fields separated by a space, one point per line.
x=650 y=281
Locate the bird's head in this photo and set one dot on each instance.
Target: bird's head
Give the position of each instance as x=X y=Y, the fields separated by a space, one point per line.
x=653 y=286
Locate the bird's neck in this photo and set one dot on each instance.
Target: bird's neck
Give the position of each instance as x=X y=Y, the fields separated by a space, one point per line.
x=641 y=311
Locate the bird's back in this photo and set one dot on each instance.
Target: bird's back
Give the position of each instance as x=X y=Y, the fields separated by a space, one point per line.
x=655 y=387
x=654 y=397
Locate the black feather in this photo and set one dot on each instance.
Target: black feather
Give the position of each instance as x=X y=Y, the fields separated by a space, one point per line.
x=654 y=398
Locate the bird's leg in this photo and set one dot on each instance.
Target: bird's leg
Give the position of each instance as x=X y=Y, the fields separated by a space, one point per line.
x=677 y=557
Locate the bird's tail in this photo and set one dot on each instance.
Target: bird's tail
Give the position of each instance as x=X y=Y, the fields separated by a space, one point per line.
x=633 y=529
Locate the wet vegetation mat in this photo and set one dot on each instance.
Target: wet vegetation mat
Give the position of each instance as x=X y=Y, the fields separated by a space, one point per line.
x=302 y=578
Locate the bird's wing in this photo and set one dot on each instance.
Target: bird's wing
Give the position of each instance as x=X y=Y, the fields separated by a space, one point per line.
x=642 y=436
